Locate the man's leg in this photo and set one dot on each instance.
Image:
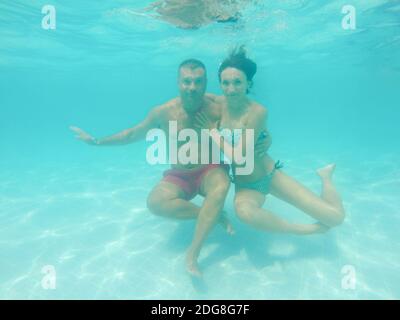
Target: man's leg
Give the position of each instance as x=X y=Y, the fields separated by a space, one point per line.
x=168 y=200
x=215 y=186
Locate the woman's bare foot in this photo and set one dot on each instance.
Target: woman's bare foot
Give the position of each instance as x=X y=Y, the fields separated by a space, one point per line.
x=226 y=224
x=327 y=171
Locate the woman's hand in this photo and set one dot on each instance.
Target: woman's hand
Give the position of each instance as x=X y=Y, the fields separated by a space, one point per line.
x=82 y=135
x=262 y=144
x=202 y=121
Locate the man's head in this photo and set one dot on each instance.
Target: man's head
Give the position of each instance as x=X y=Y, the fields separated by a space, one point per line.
x=192 y=82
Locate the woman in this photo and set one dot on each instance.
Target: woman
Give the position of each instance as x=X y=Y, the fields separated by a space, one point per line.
x=239 y=112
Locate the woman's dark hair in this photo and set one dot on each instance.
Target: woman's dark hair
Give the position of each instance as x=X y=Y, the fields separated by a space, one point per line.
x=237 y=59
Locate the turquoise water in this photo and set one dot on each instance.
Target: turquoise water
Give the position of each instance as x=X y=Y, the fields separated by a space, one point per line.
x=333 y=96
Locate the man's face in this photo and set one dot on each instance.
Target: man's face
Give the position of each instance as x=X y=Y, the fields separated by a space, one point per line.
x=192 y=84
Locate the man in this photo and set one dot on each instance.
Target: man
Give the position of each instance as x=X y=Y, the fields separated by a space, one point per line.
x=171 y=197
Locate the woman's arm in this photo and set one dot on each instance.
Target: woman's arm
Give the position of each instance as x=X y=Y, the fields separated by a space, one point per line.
x=256 y=123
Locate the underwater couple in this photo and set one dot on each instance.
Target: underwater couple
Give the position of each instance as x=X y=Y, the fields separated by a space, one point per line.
x=233 y=125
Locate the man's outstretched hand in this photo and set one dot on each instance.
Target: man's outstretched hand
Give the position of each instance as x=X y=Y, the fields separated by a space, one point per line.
x=82 y=135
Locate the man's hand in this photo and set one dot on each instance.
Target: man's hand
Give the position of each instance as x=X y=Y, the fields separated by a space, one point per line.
x=202 y=121
x=262 y=145
x=82 y=135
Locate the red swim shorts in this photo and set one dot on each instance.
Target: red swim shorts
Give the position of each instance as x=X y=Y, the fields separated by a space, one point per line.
x=189 y=179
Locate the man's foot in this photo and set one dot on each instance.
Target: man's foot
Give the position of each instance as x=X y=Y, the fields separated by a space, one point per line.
x=326 y=172
x=226 y=224
x=192 y=266
x=307 y=229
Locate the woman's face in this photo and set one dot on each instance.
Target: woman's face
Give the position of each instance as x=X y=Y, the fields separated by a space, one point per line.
x=234 y=83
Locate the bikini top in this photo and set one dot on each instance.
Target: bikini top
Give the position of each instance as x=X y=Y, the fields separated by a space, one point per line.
x=232 y=137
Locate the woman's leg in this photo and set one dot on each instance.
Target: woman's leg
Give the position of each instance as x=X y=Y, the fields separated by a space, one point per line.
x=329 y=192
x=327 y=209
x=248 y=205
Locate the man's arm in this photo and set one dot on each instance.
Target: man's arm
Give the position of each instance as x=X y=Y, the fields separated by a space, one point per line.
x=136 y=133
x=214 y=107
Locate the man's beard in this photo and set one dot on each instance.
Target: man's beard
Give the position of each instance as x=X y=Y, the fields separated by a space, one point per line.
x=192 y=101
